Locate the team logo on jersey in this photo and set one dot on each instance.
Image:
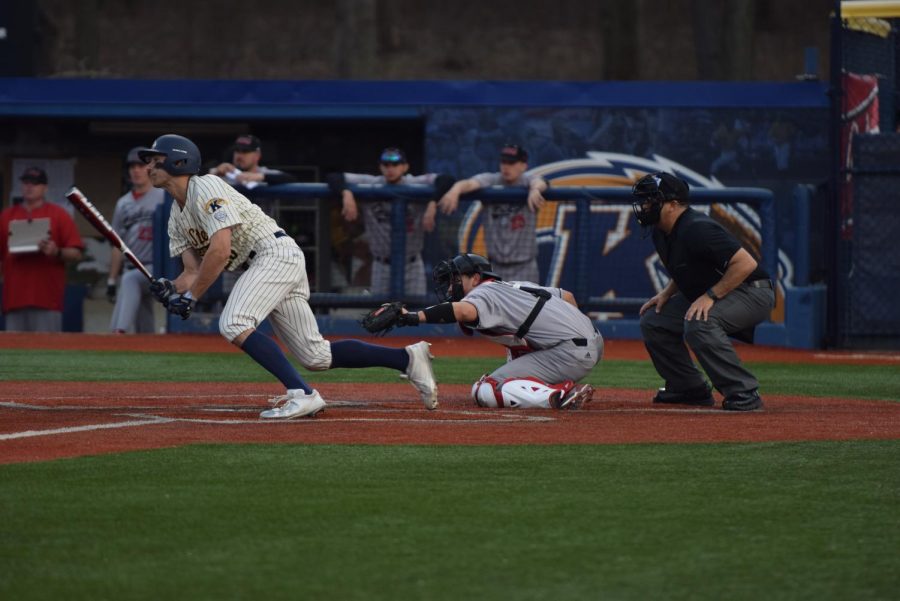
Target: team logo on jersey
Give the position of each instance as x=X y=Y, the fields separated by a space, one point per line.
x=617 y=249
x=214 y=204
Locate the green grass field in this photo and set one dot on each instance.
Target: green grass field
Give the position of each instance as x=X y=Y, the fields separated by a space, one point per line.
x=724 y=521
x=762 y=521
x=856 y=381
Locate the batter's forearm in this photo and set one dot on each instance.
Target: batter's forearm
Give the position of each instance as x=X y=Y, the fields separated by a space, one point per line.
x=212 y=265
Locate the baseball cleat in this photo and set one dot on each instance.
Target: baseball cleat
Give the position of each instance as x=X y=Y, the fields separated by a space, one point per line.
x=295 y=403
x=577 y=397
x=695 y=397
x=420 y=373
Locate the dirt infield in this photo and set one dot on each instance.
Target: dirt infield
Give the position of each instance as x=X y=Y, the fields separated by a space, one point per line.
x=48 y=420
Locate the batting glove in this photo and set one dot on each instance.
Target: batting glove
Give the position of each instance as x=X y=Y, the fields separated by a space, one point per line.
x=162 y=289
x=181 y=304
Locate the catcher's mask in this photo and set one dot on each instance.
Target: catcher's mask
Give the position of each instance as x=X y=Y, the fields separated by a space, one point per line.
x=447 y=275
x=652 y=191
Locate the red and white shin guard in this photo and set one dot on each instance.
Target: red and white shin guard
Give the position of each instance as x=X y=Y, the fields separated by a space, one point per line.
x=519 y=393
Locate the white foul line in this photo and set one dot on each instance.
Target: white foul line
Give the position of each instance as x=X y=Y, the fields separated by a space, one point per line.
x=87 y=428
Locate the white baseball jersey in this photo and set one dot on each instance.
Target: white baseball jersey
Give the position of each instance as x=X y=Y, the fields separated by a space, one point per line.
x=273 y=282
x=212 y=205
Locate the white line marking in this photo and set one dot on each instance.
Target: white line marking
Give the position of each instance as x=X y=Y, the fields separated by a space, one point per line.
x=150 y=419
x=859 y=356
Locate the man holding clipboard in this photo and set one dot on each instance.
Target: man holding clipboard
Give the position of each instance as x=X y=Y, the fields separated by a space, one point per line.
x=37 y=239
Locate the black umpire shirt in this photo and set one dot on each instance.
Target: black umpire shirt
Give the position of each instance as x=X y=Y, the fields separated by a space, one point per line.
x=696 y=253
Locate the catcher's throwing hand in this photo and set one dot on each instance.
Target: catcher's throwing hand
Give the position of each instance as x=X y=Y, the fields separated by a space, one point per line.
x=388 y=316
x=181 y=304
x=162 y=289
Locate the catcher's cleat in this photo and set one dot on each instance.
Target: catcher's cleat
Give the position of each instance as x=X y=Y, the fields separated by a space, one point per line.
x=696 y=397
x=420 y=374
x=577 y=397
x=743 y=401
x=295 y=403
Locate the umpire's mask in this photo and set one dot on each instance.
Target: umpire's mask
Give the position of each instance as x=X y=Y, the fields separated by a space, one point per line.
x=652 y=191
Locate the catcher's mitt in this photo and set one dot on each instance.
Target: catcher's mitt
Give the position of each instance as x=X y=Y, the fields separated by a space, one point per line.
x=385 y=318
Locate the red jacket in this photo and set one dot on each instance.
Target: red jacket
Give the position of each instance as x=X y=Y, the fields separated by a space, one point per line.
x=34 y=279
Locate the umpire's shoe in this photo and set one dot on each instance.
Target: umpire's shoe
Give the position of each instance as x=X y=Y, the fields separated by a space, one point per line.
x=295 y=403
x=420 y=374
x=696 y=397
x=743 y=401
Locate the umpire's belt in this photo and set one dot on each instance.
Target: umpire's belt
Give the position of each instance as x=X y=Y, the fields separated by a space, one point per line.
x=760 y=284
x=246 y=264
x=387 y=260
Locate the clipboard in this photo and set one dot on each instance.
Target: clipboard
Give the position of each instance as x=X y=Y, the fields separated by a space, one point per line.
x=26 y=234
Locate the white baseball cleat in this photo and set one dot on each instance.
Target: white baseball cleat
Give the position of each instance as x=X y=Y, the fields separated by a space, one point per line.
x=295 y=403
x=577 y=397
x=420 y=374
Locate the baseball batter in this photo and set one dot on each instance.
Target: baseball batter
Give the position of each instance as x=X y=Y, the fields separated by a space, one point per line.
x=212 y=227
x=377 y=219
x=509 y=228
x=550 y=343
x=133 y=221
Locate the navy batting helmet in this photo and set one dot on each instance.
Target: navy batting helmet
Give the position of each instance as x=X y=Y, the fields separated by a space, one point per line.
x=652 y=191
x=182 y=155
x=446 y=275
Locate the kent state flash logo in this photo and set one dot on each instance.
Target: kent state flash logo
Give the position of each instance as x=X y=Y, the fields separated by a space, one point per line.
x=625 y=263
x=213 y=205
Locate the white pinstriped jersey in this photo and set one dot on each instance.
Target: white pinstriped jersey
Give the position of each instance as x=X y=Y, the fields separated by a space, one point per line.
x=212 y=205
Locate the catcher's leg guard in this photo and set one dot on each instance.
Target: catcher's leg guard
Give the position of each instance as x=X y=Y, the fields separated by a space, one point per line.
x=522 y=393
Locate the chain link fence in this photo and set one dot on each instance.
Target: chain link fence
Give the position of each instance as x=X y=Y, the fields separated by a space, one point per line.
x=866 y=260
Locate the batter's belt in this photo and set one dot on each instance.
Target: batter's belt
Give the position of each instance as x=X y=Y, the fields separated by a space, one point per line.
x=246 y=264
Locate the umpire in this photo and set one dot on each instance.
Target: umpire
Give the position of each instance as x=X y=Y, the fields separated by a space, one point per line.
x=716 y=290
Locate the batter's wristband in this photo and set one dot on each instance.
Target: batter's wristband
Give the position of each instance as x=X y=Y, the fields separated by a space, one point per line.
x=440 y=313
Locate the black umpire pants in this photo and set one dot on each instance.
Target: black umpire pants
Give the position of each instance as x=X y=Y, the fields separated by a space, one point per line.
x=666 y=333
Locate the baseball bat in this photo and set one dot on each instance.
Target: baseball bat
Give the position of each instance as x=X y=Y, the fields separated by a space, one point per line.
x=96 y=219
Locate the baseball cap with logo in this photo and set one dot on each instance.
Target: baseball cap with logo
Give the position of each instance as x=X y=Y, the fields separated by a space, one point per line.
x=247 y=143
x=34 y=175
x=512 y=153
x=392 y=156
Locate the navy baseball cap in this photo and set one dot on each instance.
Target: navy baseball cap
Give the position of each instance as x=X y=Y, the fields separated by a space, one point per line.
x=513 y=153
x=247 y=143
x=392 y=156
x=34 y=175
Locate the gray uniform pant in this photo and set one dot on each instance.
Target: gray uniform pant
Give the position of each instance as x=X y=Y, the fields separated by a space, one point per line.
x=413 y=274
x=133 y=312
x=33 y=320
x=554 y=365
x=665 y=334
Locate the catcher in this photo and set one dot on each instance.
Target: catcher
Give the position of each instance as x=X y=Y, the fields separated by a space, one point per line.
x=550 y=343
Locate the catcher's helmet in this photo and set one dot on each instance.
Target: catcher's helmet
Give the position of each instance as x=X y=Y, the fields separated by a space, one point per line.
x=446 y=274
x=657 y=189
x=182 y=155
